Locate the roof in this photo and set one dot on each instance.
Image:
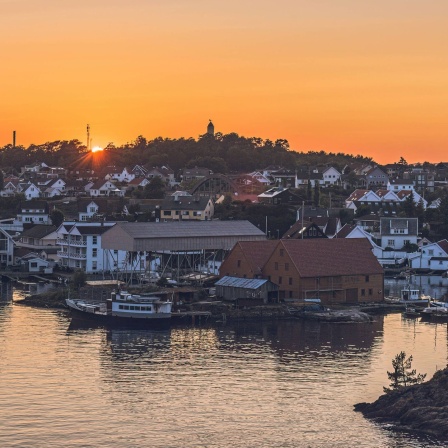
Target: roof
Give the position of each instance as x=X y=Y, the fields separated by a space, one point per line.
x=345 y=231
x=235 y=282
x=297 y=229
x=184 y=203
x=357 y=195
x=443 y=244
x=257 y=253
x=369 y=217
x=180 y=235
x=272 y=192
x=92 y=230
x=386 y=224
x=38 y=231
x=34 y=205
x=332 y=257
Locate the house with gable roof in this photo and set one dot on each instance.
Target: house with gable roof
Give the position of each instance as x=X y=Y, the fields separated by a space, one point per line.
x=396 y=233
x=376 y=177
x=10 y=186
x=80 y=248
x=433 y=256
x=33 y=212
x=39 y=240
x=332 y=270
x=363 y=196
x=104 y=188
x=29 y=190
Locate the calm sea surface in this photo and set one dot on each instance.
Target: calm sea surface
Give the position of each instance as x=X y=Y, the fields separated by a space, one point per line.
x=287 y=384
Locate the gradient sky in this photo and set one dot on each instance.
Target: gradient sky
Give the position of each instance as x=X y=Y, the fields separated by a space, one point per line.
x=357 y=76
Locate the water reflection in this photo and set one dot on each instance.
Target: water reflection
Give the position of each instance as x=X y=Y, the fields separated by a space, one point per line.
x=435 y=286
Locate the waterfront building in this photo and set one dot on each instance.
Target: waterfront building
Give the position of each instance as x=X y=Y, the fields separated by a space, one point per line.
x=80 y=248
x=332 y=270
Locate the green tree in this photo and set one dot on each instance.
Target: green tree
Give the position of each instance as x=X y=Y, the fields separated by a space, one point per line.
x=316 y=193
x=309 y=191
x=57 y=217
x=402 y=374
x=155 y=189
x=79 y=278
x=409 y=205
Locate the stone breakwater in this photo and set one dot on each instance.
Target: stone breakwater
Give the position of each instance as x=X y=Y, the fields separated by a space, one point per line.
x=421 y=408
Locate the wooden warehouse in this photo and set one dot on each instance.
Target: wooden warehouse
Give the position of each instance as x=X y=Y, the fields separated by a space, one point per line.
x=182 y=246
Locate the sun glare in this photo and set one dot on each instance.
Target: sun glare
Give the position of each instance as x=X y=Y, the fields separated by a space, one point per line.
x=97 y=148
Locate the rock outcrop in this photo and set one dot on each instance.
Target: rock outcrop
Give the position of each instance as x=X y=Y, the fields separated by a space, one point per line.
x=422 y=407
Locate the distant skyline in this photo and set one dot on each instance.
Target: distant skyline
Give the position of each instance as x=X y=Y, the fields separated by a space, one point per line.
x=368 y=78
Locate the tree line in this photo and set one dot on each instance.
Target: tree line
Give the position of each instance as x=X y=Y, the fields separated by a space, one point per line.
x=222 y=153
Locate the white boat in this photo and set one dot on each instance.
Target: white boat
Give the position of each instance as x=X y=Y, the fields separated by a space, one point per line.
x=410 y=296
x=124 y=308
x=436 y=311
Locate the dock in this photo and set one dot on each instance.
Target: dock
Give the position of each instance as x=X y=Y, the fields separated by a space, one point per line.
x=190 y=316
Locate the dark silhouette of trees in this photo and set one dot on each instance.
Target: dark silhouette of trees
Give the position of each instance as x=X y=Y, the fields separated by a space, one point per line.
x=402 y=374
x=57 y=217
x=155 y=189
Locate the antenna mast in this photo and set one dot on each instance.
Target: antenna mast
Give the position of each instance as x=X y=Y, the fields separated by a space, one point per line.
x=88 y=138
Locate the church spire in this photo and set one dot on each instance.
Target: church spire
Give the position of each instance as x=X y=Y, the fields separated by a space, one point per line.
x=210 y=128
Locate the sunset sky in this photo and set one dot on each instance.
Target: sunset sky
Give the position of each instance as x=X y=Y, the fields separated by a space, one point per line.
x=357 y=76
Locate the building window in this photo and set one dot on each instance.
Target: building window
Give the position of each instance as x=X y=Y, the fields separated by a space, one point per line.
x=367 y=278
x=370 y=291
x=363 y=292
x=391 y=243
x=276 y=266
x=94 y=253
x=286 y=266
x=282 y=252
x=280 y=280
x=290 y=280
x=238 y=263
x=94 y=266
x=94 y=239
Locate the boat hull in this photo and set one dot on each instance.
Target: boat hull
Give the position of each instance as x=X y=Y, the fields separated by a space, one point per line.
x=153 y=320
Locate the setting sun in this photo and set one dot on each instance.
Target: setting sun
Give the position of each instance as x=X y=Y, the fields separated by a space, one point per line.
x=97 y=148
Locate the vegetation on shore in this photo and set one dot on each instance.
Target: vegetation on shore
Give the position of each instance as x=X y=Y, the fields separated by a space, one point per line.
x=412 y=405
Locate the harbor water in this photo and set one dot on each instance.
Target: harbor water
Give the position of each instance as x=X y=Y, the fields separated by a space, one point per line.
x=267 y=384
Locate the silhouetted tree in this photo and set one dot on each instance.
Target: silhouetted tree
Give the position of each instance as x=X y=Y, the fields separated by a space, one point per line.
x=155 y=189
x=402 y=374
x=57 y=217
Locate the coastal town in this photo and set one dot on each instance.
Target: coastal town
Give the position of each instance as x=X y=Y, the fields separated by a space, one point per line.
x=338 y=230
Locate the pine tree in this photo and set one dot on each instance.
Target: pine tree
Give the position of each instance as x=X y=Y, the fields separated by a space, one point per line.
x=316 y=193
x=403 y=375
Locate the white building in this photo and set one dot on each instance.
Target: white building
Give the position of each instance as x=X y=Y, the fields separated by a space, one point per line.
x=331 y=176
x=433 y=256
x=80 y=248
x=396 y=233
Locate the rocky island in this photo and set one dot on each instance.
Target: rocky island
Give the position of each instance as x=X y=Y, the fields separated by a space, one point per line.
x=421 y=407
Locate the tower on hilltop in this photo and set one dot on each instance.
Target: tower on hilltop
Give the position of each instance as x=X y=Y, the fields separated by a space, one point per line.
x=210 y=128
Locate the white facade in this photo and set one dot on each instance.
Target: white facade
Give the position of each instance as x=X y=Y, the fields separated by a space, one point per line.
x=433 y=256
x=80 y=248
x=331 y=176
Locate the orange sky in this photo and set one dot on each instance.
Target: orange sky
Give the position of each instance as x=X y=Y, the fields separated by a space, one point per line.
x=362 y=77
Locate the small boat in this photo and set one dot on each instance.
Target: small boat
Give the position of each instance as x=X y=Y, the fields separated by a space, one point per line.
x=124 y=308
x=411 y=313
x=436 y=311
x=410 y=297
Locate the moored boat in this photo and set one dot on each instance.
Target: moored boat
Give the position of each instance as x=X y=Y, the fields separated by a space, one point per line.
x=436 y=312
x=410 y=297
x=124 y=308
